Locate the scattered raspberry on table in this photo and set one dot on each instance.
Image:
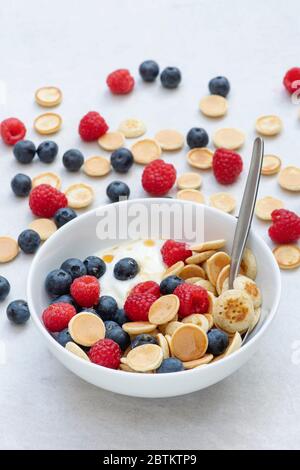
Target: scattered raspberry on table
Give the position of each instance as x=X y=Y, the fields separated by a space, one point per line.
x=192 y=298
x=92 y=126
x=137 y=306
x=57 y=316
x=12 y=130
x=44 y=200
x=291 y=80
x=158 y=177
x=227 y=166
x=285 y=227
x=85 y=290
x=173 y=251
x=120 y=82
x=106 y=353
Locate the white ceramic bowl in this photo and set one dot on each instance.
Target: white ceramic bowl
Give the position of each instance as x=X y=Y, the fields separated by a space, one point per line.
x=78 y=239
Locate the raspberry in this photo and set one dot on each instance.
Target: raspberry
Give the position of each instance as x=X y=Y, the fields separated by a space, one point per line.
x=149 y=287
x=57 y=316
x=286 y=226
x=158 y=177
x=227 y=166
x=193 y=299
x=92 y=126
x=44 y=200
x=120 y=82
x=12 y=130
x=291 y=78
x=173 y=251
x=85 y=290
x=106 y=353
x=137 y=306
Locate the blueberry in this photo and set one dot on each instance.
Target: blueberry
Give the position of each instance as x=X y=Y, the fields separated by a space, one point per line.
x=171 y=364
x=4 y=288
x=169 y=284
x=197 y=137
x=126 y=268
x=139 y=340
x=95 y=266
x=217 y=342
x=47 y=151
x=90 y=310
x=73 y=160
x=66 y=299
x=121 y=160
x=117 y=190
x=120 y=317
x=21 y=185
x=219 y=86
x=29 y=241
x=63 y=337
x=58 y=283
x=63 y=216
x=170 y=77
x=106 y=307
x=18 y=312
x=24 y=151
x=74 y=267
x=149 y=70
x=116 y=333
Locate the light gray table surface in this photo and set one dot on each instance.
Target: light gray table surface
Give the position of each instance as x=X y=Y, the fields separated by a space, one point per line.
x=75 y=44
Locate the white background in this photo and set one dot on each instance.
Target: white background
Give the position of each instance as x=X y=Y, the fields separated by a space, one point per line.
x=74 y=45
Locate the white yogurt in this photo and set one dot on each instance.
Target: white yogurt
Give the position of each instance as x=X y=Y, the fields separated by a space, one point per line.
x=149 y=259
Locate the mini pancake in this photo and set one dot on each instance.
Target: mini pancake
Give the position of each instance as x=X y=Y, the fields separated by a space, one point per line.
x=206 y=359
x=248 y=264
x=265 y=206
x=191 y=195
x=207 y=246
x=192 y=270
x=169 y=341
x=194 y=280
x=164 y=309
x=96 y=166
x=75 y=349
x=111 y=141
x=268 y=125
x=86 y=328
x=189 y=181
x=172 y=327
x=131 y=128
x=138 y=327
x=169 y=139
x=233 y=311
x=223 y=201
x=206 y=285
x=174 y=270
x=247 y=285
x=189 y=342
x=229 y=138
x=48 y=96
x=200 y=158
x=47 y=178
x=289 y=178
x=145 y=358
x=222 y=276
x=197 y=319
x=215 y=264
x=287 y=256
x=44 y=227
x=271 y=165
x=79 y=195
x=213 y=106
x=9 y=249
x=48 y=123
x=198 y=258
x=163 y=343
x=145 y=151
x=210 y=320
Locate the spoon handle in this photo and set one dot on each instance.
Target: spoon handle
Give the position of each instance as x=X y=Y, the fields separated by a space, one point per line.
x=246 y=209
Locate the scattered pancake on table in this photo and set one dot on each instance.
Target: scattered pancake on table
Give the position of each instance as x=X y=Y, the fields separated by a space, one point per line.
x=287 y=256
x=47 y=178
x=289 y=178
x=9 y=249
x=223 y=201
x=48 y=123
x=145 y=151
x=189 y=181
x=79 y=195
x=48 y=96
x=271 y=165
x=111 y=141
x=229 y=138
x=265 y=206
x=200 y=158
x=191 y=195
x=44 y=227
x=96 y=166
x=268 y=125
x=132 y=128
x=169 y=139
x=213 y=106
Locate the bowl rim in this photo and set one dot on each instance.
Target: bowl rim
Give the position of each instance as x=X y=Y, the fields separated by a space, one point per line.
x=148 y=377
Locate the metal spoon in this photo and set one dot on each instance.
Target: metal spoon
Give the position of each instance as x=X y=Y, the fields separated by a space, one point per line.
x=246 y=213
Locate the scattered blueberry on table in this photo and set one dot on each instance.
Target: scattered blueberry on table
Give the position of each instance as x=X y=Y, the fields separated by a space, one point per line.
x=21 y=185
